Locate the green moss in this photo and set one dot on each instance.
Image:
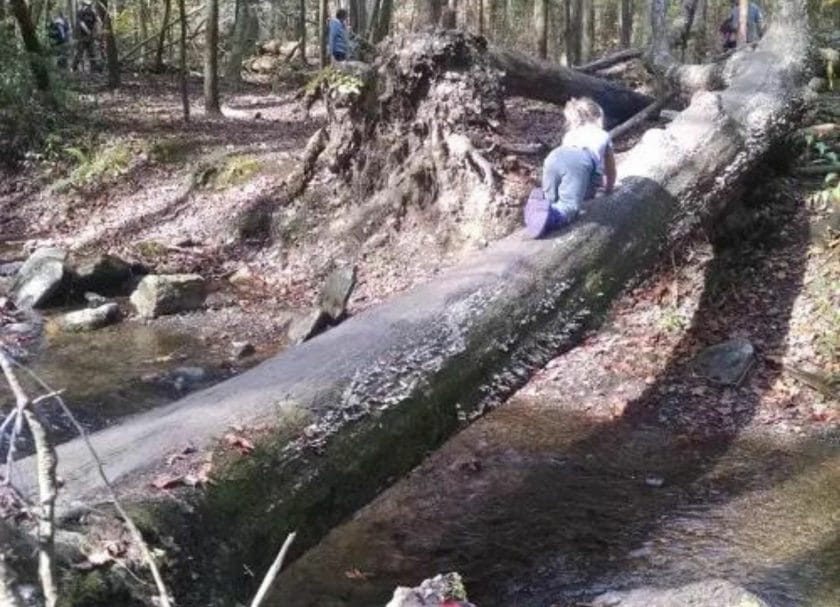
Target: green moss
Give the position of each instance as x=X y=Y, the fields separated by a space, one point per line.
x=236 y=170
x=97 y=588
x=150 y=249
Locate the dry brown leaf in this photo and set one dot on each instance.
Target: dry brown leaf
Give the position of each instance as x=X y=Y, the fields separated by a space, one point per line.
x=239 y=442
x=167 y=481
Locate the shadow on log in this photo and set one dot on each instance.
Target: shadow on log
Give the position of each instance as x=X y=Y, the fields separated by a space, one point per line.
x=342 y=416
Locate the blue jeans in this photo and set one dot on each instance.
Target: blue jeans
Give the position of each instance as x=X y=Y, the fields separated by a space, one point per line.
x=567 y=180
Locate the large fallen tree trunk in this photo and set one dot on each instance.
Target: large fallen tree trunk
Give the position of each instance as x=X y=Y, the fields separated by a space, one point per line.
x=545 y=81
x=340 y=417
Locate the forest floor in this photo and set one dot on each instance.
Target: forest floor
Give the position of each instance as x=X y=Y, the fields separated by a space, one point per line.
x=133 y=180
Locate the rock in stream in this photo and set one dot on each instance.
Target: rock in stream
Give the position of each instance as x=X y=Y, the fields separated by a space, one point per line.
x=159 y=294
x=40 y=277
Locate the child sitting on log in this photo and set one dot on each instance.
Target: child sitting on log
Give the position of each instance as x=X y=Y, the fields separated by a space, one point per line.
x=574 y=171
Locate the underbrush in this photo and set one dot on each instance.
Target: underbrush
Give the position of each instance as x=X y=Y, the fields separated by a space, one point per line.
x=26 y=120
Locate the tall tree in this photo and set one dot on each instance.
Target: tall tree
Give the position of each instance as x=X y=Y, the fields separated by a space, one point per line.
x=112 y=59
x=587 y=30
x=211 y=60
x=245 y=32
x=575 y=32
x=142 y=17
x=302 y=29
x=323 y=15
x=626 y=23
x=383 y=22
x=182 y=60
x=541 y=27
x=37 y=62
x=167 y=9
x=743 y=17
x=2 y=10
x=430 y=13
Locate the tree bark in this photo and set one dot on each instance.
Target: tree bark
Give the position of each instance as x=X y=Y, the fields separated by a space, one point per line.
x=37 y=61
x=142 y=14
x=626 y=22
x=743 y=17
x=535 y=79
x=610 y=60
x=569 y=30
x=576 y=32
x=165 y=23
x=541 y=27
x=587 y=30
x=383 y=22
x=244 y=37
x=211 y=60
x=302 y=29
x=2 y=18
x=112 y=58
x=182 y=60
x=323 y=16
x=430 y=13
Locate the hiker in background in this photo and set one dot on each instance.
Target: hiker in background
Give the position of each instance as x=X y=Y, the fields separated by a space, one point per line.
x=58 y=33
x=729 y=34
x=755 y=21
x=338 y=39
x=87 y=32
x=573 y=172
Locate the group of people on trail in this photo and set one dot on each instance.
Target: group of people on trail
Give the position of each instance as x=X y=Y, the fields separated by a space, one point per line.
x=584 y=163
x=87 y=37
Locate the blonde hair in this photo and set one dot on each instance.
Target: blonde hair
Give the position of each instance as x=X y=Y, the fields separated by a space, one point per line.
x=582 y=110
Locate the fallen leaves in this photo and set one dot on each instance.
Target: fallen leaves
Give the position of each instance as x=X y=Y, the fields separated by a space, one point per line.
x=239 y=443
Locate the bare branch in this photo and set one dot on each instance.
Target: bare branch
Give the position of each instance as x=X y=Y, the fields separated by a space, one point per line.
x=268 y=580
x=165 y=601
x=47 y=485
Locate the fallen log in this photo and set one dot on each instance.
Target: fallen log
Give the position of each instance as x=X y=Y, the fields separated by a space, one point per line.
x=535 y=79
x=340 y=417
x=610 y=60
x=646 y=114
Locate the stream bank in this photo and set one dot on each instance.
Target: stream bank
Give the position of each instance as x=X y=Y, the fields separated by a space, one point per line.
x=618 y=467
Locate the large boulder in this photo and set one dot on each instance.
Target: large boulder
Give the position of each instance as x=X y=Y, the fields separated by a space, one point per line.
x=705 y=593
x=102 y=274
x=40 y=278
x=159 y=294
x=336 y=292
x=89 y=319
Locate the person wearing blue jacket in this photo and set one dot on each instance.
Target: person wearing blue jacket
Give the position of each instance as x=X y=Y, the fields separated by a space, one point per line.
x=338 y=39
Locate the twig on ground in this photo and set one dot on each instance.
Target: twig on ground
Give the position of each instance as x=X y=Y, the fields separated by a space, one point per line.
x=268 y=580
x=165 y=601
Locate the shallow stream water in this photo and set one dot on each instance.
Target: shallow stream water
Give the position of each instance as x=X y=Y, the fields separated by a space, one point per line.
x=537 y=507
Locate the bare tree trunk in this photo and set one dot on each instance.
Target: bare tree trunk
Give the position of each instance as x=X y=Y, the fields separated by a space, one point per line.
x=536 y=79
x=182 y=60
x=302 y=29
x=211 y=60
x=323 y=15
x=541 y=27
x=430 y=13
x=167 y=8
x=701 y=27
x=383 y=25
x=37 y=62
x=570 y=36
x=576 y=31
x=142 y=15
x=659 y=46
x=245 y=31
x=587 y=29
x=2 y=18
x=374 y=19
x=743 y=15
x=481 y=14
x=626 y=23
x=112 y=59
